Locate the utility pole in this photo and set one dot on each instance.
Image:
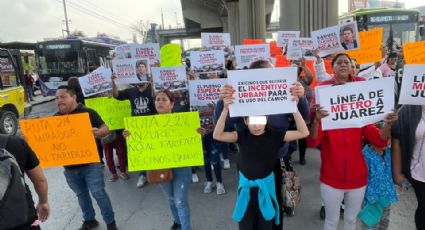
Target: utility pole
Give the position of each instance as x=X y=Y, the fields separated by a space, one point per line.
x=66 y=19
x=177 y=23
x=162 y=17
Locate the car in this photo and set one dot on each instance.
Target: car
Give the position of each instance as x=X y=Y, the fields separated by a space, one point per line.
x=13 y=101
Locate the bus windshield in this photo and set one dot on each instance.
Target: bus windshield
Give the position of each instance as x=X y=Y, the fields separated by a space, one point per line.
x=402 y=32
x=60 y=61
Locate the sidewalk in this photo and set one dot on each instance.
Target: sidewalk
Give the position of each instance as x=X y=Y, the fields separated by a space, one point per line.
x=40 y=99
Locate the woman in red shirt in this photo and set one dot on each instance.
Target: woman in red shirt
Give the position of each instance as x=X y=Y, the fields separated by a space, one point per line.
x=343 y=170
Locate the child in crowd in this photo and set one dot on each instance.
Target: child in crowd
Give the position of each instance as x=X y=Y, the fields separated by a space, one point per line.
x=380 y=191
x=256 y=206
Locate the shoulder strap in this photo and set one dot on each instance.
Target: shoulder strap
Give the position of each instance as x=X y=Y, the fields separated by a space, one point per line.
x=3 y=140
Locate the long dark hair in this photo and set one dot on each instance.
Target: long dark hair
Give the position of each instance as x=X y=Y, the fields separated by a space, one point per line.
x=167 y=92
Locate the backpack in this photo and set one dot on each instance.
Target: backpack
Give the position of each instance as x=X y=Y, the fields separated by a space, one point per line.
x=14 y=207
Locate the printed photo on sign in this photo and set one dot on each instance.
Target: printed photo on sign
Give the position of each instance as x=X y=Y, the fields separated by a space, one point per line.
x=205 y=92
x=246 y=54
x=349 y=36
x=332 y=40
x=356 y=104
x=164 y=141
x=300 y=47
x=171 y=78
x=413 y=85
x=205 y=62
x=131 y=71
x=123 y=51
x=284 y=36
x=96 y=82
x=147 y=51
x=215 y=41
x=262 y=91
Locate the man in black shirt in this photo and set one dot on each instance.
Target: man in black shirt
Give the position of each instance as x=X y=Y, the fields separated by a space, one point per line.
x=86 y=177
x=28 y=163
x=141 y=102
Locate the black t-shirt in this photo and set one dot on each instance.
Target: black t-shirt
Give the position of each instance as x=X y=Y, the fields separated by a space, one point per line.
x=258 y=154
x=95 y=121
x=141 y=102
x=27 y=160
x=24 y=155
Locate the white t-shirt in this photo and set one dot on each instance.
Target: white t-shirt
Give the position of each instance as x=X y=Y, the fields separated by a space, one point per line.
x=417 y=166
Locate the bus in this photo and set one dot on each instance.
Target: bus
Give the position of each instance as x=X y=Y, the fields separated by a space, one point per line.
x=403 y=23
x=58 y=60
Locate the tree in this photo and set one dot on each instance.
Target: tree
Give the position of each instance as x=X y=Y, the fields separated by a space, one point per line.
x=140 y=28
x=77 y=33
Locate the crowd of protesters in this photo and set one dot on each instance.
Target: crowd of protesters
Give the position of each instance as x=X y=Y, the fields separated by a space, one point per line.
x=359 y=165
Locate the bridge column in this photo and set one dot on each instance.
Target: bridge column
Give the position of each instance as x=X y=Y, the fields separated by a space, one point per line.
x=233 y=21
x=252 y=18
x=308 y=15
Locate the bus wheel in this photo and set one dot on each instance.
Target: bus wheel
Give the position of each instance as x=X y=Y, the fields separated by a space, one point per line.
x=8 y=123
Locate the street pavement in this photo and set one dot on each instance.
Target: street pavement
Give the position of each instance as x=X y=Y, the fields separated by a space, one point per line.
x=147 y=208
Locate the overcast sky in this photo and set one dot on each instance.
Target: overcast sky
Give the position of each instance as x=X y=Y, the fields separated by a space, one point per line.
x=33 y=20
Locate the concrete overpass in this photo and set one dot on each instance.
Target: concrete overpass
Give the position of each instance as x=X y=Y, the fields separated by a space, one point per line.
x=251 y=18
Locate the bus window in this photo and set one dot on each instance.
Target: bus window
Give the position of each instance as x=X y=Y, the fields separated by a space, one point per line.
x=59 y=62
x=404 y=32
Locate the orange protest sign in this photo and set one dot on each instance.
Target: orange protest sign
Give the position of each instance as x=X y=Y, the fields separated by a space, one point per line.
x=370 y=46
x=247 y=41
x=274 y=49
x=61 y=140
x=414 y=53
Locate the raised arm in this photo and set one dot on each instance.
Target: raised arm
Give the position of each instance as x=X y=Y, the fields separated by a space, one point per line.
x=114 y=86
x=219 y=134
x=302 y=130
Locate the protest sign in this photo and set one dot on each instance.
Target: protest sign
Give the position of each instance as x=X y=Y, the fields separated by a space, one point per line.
x=246 y=54
x=204 y=62
x=215 y=40
x=96 y=82
x=413 y=85
x=171 y=55
x=171 y=78
x=371 y=49
x=123 y=51
x=299 y=47
x=262 y=91
x=414 y=53
x=61 y=140
x=111 y=110
x=131 y=71
x=284 y=36
x=164 y=141
x=356 y=104
x=204 y=92
x=336 y=39
x=147 y=51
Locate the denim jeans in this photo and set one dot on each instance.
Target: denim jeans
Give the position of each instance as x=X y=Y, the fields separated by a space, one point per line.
x=177 y=195
x=212 y=156
x=90 y=178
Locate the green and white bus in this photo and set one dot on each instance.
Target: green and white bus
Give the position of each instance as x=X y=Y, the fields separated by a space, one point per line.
x=403 y=23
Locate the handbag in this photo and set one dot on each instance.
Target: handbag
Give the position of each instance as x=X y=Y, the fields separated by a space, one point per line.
x=159 y=176
x=108 y=139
